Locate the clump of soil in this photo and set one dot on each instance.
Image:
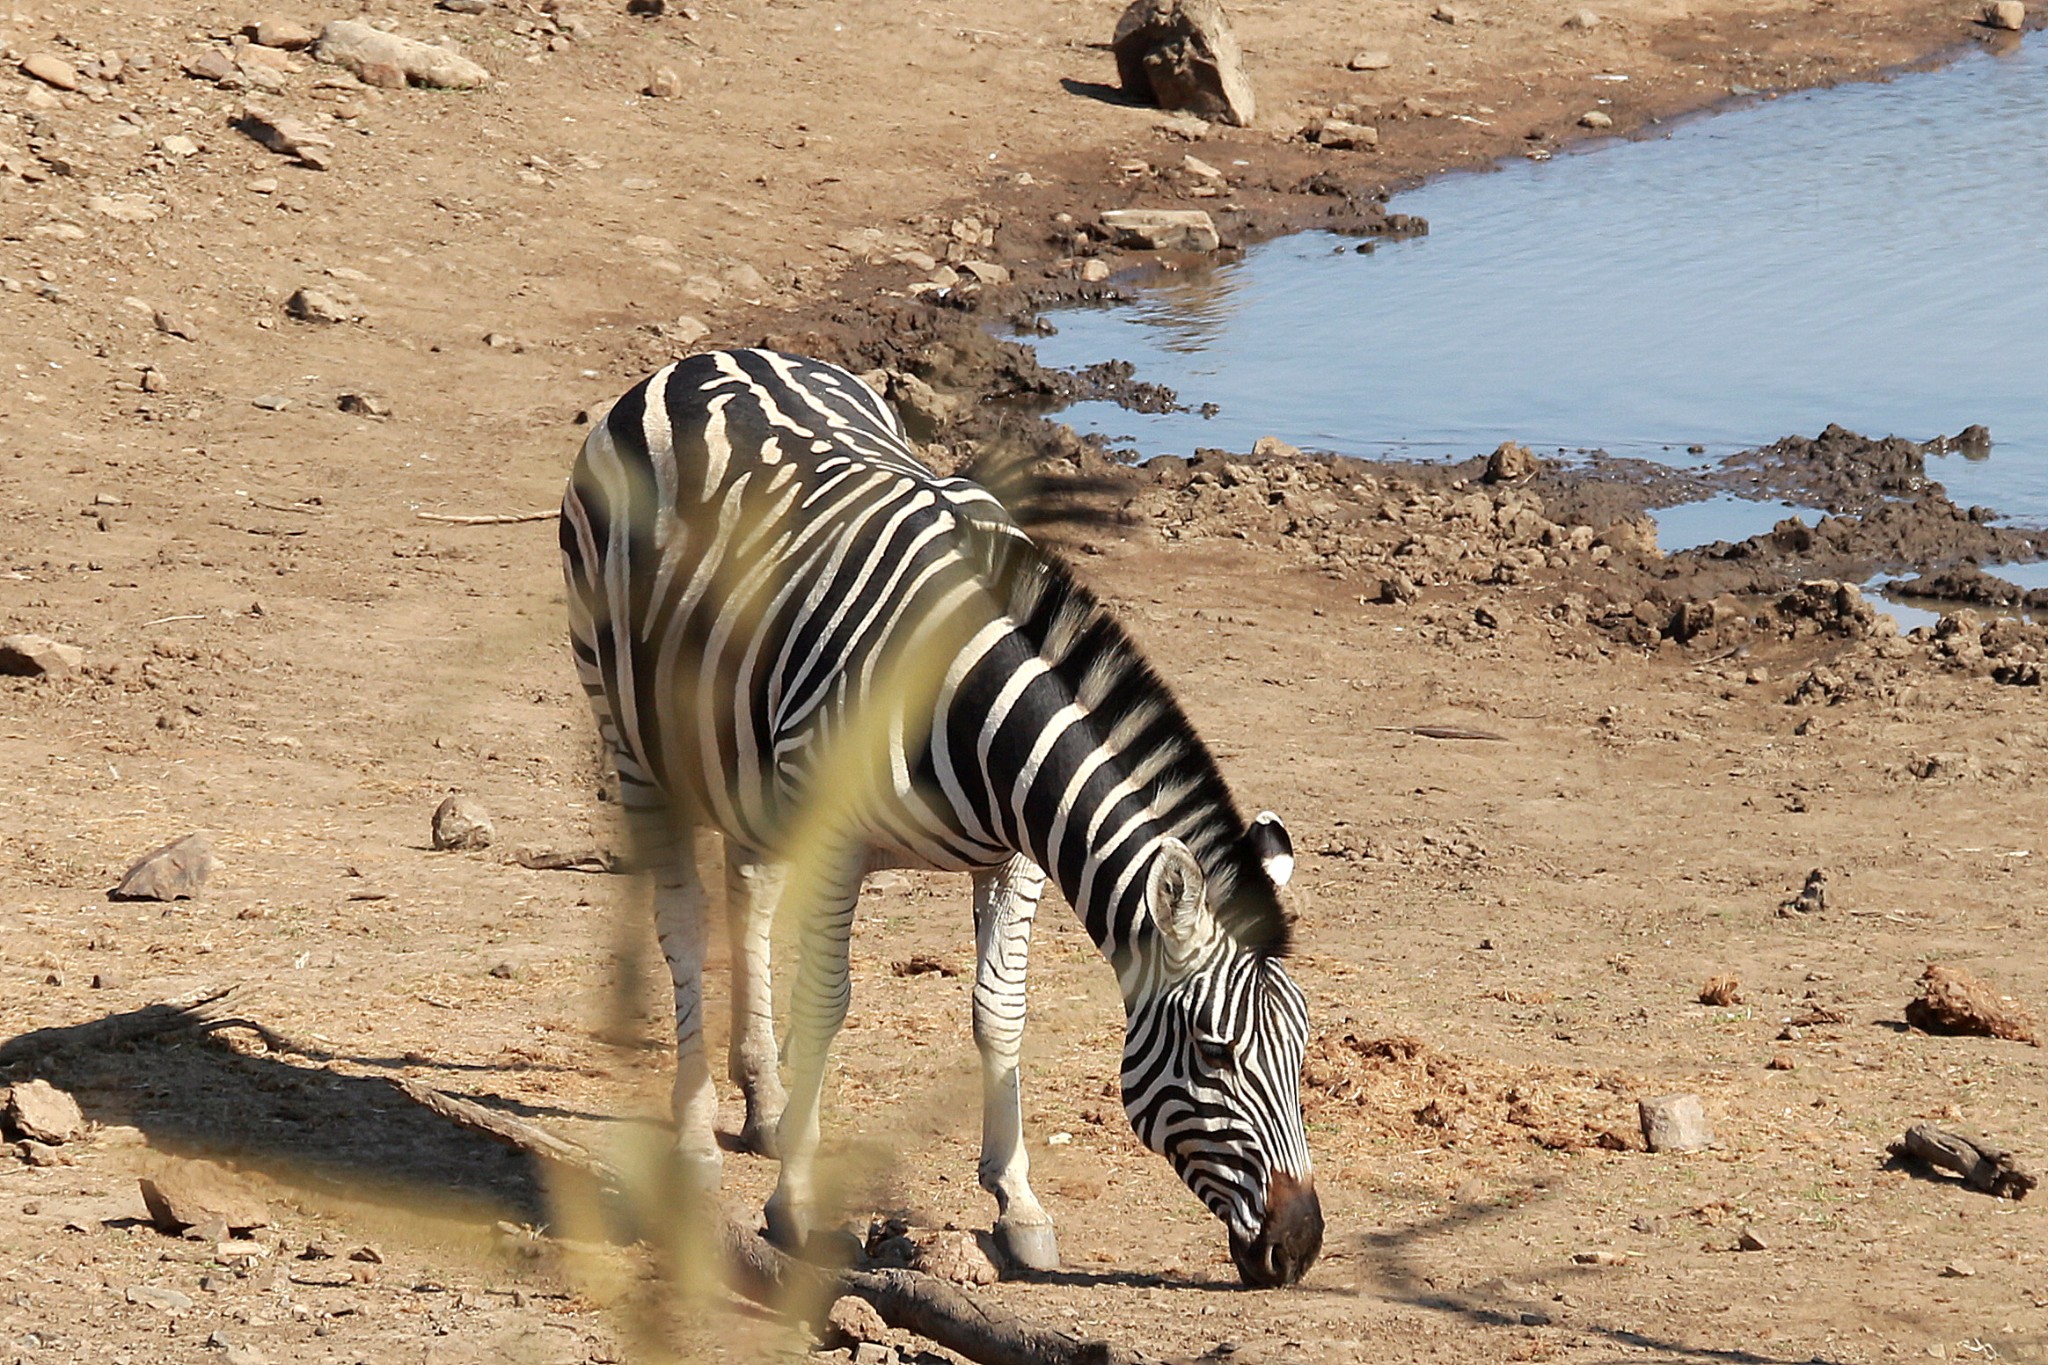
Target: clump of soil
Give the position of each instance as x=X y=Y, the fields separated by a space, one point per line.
x=1403 y=1089
x=1952 y=1001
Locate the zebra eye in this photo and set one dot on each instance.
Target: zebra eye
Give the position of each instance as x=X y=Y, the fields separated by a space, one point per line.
x=1216 y=1054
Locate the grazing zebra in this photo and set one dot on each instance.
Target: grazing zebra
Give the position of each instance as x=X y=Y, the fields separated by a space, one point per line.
x=794 y=633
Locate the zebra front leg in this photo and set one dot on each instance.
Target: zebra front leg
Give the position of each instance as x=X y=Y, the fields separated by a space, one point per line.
x=817 y=1008
x=1005 y=904
x=681 y=914
x=752 y=888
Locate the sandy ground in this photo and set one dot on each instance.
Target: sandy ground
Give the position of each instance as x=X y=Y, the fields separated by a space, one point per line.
x=281 y=652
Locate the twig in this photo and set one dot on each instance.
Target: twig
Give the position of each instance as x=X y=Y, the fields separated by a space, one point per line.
x=906 y=1299
x=490 y=518
x=1442 y=732
x=193 y=616
x=1982 y=1165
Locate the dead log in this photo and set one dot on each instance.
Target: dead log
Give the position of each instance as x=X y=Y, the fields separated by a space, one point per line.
x=1982 y=1165
x=906 y=1299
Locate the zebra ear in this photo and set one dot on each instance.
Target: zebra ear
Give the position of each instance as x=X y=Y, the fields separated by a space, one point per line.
x=1176 y=894
x=1270 y=844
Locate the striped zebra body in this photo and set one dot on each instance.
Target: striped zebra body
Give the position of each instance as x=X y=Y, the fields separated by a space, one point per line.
x=794 y=633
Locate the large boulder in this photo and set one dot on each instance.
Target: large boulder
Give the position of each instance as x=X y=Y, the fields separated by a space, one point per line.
x=1181 y=54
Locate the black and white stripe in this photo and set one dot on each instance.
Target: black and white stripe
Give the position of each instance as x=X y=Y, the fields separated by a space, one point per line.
x=777 y=610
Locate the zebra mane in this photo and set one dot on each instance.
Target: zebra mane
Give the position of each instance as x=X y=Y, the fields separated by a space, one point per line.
x=1133 y=709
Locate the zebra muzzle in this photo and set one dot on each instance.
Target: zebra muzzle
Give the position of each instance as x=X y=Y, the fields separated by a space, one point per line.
x=1288 y=1240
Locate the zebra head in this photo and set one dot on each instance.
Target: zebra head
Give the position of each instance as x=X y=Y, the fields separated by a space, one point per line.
x=1213 y=1054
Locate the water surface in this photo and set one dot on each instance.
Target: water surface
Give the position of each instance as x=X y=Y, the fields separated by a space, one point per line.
x=1872 y=255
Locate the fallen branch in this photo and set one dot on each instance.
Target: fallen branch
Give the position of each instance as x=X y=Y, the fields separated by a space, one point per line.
x=908 y=1300
x=1981 y=1165
x=179 y=1014
x=490 y=518
x=1442 y=732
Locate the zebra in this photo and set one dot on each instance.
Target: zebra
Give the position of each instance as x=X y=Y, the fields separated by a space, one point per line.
x=777 y=609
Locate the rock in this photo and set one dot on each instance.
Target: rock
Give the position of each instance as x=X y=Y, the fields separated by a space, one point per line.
x=460 y=822
x=1340 y=135
x=1511 y=462
x=364 y=405
x=465 y=6
x=1780 y=1062
x=955 y=1256
x=270 y=402
x=1181 y=54
x=313 y=305
x=1594 y=118
x=1445 y=14
x=214 y=64
x=172 y=324
x=1952 y=1001
x=35 y=1153
x=38 y=1110
x=287 y=136
x=277 y=32
x=1721 y=990
x=2005 y=14
x=177 y=144
x=1751 y=1240
x=51 y=70
x=1194 y=165
x=1583 y=20
x=665 y=84
x=1094 y=271
x=683 y=330
x=177 y=871
x=1398 y=589
x=1812 y=897
x=1675 y=1123
x=1273 y=448
x=987 y=272
x=124 y=208
x=170 y=1300
x=1371 y=60
x=1958 y=1270
x=36 y=656
x=195 y=1195
x=855 y=1320
x=380 y=58
x=1163 y=229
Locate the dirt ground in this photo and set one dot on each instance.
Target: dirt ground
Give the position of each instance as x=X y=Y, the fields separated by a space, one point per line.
x=1503 y=939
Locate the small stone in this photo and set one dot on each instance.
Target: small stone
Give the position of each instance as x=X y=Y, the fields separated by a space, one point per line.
x=647 y=9
x=194 y=1195
x=1094 y=271
x=287 y=136
x=873 y=1353
x=461 y=822
x=1780 y=1062
x=51 y=71
x=1163 y=229
x=987 y=272
x=367 y=1254
x=1750 y=1240
x=364 y=405
x=214 y=64
x=1445 y=14
x=36 y=1109
x=1371 y=60
x=955 y=1256
x=2005 y=14
x=1341 y=135
x=1583 y=20
x=1599 y=1258
x=313 y=305
x=1398 y=589
x=855 y=1320
x=1511 y=462
x=173 y=324
x=37 y=656
x=276 y=32
x=270 y=402
x=1958 y=1270
x=1721 y=990
x=35 y=1153
x=1535 y=1317
x=170 y=1300
x=504 y=971
x=177 y=871
x=1594 y=118
x=1194 y=165
x=177 y=144
x=1675 y=1123
x=665 y=84
x=465 y=6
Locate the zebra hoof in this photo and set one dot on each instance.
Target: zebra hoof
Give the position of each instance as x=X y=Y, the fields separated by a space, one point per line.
x=787 y=1228
x=759 y=1138
x=1028 y=1246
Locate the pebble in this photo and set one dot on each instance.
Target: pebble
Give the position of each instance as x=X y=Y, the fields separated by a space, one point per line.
x=36 y=1109
x=988 y=272
x=1094 y=270
x=1675 y=1123
x=1342 y=136
x=37 y=656
x=170 y=1300
x=196 y=1195
x=856 y=1319
x=271 y=402
x=461 y=822
x=955 y=1256
x=385 y=59
x=1751 y=1240
x=2005 y=14
x=665 y=84
x=51 y=70
x=1583 y=20
x=364 y=405
x=1511 y=462
x=173 y=324
x=287 y=136
x=177 y=871
x=313 y=305
x=1959 y=1270
x=1371 y=61
x=177 y=144
x=1444 y=14
x=1594 y=118
x=465 y=6
x=277 y=32
x=215 y=65
x=35 y=1153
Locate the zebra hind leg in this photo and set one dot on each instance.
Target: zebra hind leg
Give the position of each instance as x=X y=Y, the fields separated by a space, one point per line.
x=752 y=888
x=681 y=922
x=1005 y=904
x=817 y=1008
